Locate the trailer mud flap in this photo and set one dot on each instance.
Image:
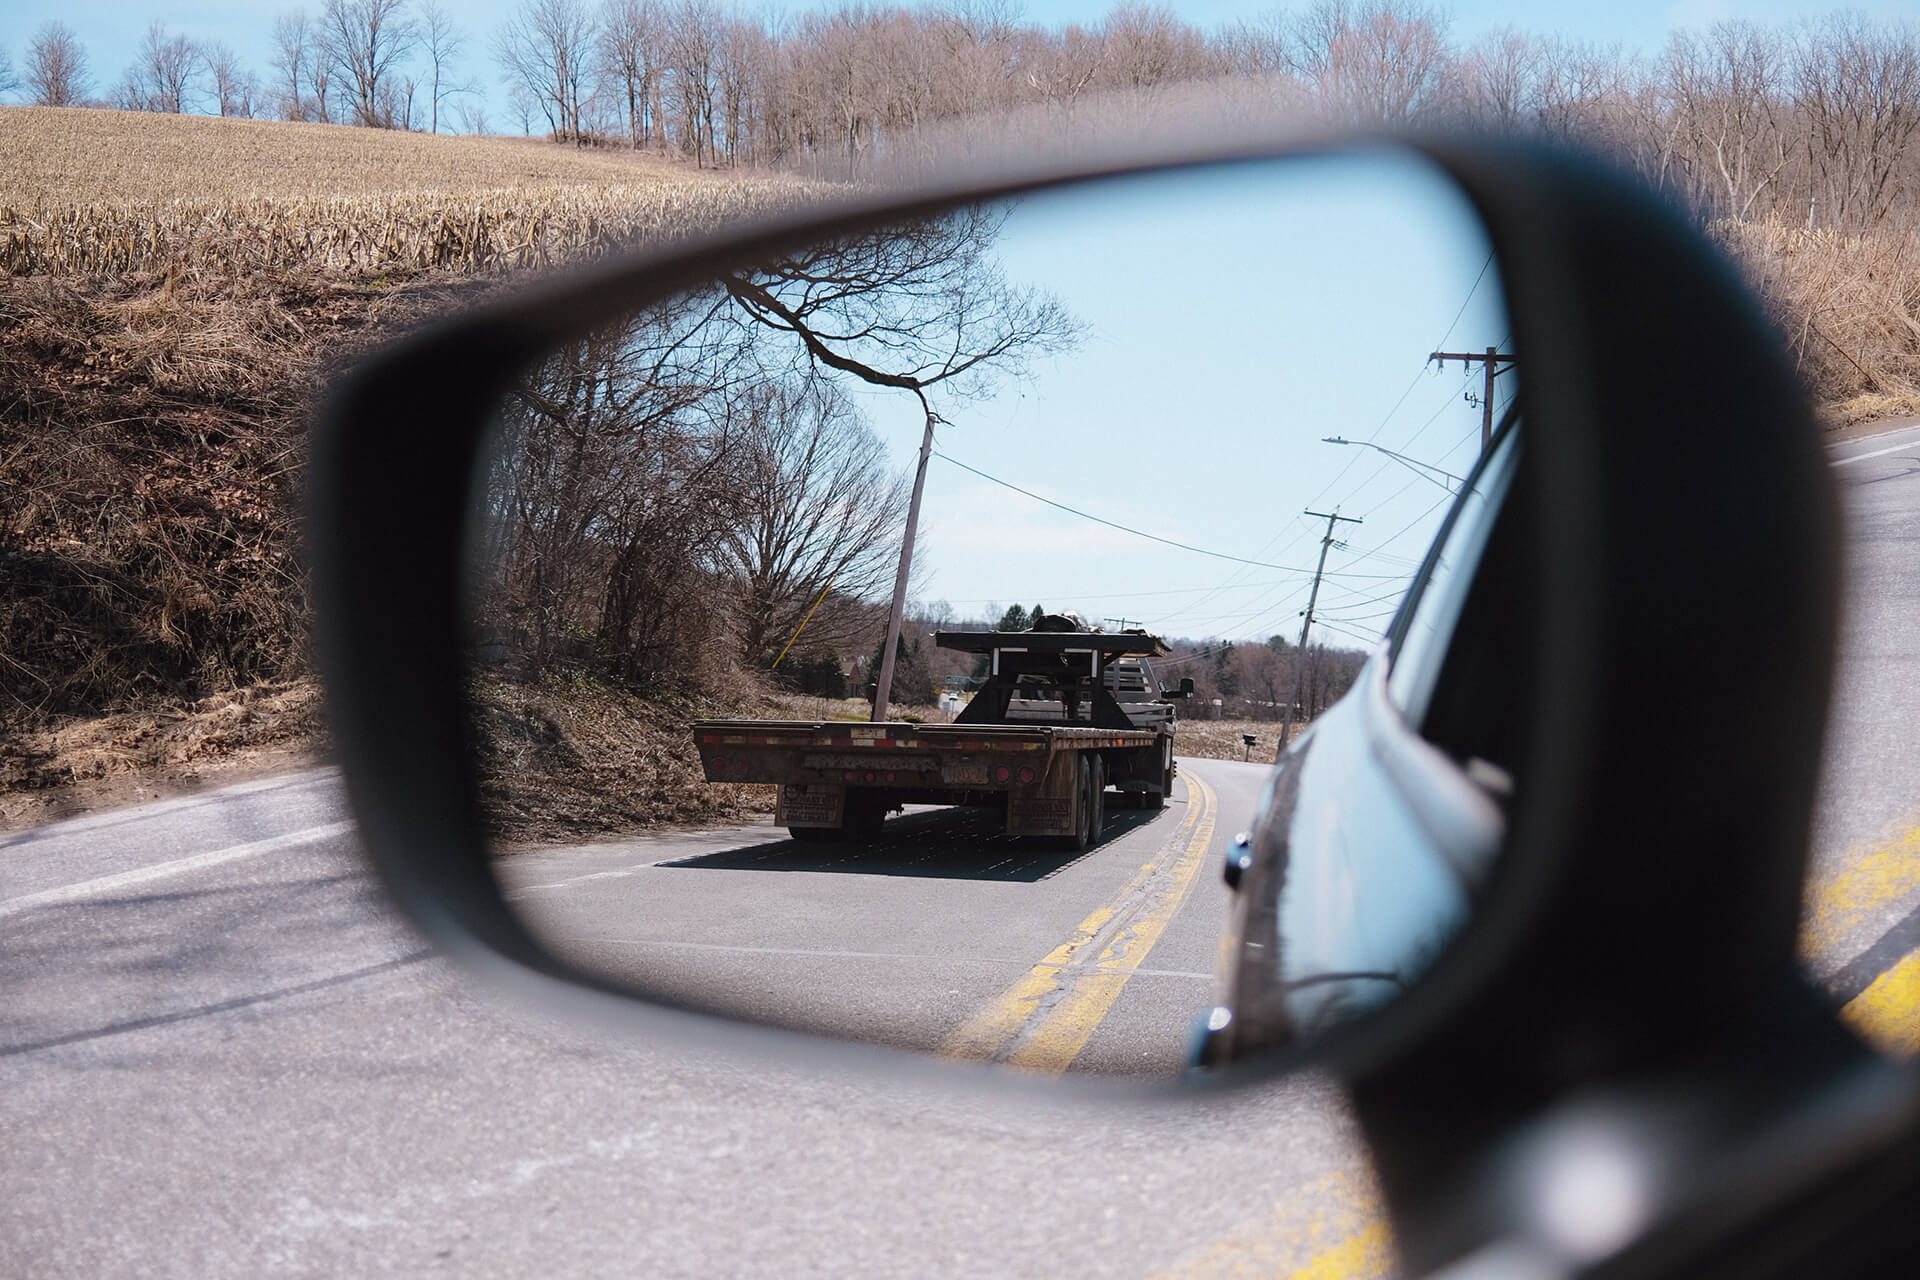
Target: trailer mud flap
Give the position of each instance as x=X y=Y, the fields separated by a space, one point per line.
x=1052 y=810
x=817 y=804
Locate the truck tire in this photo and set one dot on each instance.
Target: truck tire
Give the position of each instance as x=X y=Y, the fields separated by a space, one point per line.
x=1085 y=776
x=1098 y=768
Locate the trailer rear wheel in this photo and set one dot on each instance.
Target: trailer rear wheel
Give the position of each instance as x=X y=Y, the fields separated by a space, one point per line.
x=1091 y=780
x=1098 y=768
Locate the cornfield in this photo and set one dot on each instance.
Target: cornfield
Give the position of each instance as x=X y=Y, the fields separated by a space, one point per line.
x=105 y=192
x=475 y=233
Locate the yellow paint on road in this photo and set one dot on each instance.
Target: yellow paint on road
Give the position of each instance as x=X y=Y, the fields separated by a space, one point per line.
x=1888 y=1012
x=1868 y=880
x=1330 y=1229
x=1043 y=1021
x=1064 y=1032
x=983 y=1034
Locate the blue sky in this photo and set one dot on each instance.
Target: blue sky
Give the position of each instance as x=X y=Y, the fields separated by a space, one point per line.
x=1234 y=318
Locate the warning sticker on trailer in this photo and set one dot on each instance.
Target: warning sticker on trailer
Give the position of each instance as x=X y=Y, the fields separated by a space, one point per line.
x=812 y=805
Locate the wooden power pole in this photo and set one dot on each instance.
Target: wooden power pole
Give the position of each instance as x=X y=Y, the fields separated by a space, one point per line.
x=1492 y=359
x=1313 y=598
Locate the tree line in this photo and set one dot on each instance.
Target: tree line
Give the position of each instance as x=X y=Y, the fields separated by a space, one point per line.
x=1814 y=121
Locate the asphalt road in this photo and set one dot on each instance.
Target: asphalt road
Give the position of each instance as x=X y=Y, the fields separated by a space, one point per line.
x=925 y=936
x=1866 y=839
x=221 y=1055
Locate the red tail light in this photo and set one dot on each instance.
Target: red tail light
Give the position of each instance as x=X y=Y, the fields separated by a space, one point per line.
x=1026 y=773
x=1001 y=773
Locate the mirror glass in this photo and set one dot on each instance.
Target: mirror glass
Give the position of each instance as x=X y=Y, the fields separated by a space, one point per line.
x=1174 y=448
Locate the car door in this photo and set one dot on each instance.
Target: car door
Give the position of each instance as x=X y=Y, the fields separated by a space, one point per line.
x=1382 y=819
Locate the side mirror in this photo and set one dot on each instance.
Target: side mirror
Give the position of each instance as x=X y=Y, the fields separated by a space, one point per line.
x=1184 y=691
x=1595 y=950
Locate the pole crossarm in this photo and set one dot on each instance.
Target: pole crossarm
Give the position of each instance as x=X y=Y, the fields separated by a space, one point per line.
x=1493 y=359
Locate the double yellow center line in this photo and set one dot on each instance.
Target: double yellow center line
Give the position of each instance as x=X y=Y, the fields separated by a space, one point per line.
x=1045 y=1019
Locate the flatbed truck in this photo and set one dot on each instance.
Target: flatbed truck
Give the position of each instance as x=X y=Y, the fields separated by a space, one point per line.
x=1064 y=718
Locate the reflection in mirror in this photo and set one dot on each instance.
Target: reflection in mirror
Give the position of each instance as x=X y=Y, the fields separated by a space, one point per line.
x=889 y=638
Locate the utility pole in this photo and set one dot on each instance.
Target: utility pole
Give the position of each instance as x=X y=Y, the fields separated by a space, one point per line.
x=883 y=684
x=1492 y=359
x=1313 y=598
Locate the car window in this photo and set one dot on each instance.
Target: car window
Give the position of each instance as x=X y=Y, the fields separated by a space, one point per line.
x=1422 y=634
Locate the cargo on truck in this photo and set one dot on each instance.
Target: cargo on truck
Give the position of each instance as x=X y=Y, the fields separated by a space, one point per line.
x=1067 y=718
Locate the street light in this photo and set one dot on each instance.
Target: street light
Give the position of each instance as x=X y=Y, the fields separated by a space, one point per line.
x=1420 y=469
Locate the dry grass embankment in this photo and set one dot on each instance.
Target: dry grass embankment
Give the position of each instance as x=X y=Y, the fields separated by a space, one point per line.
x=1849 y=305
x=87 y=191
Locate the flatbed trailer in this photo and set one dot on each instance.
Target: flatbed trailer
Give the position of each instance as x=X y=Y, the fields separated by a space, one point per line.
x=1063 y=717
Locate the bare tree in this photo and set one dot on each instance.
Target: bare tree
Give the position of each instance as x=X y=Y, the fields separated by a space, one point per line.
x=363 y=42
x=293 y=58
x=1725 y=87
x=912 y=305
x=547 y=48
x=919 y=306
x=632 y=33
x=235 y=88
x=611 y=490
x=1378 y=63
x=1499 y=80
x=1060 y=68
x=815 y=509
x=1858 y=87
x=693 y=55
x=165 y=71
x=1147 y=46
x=742 y=72
x=442 y=41
x=473 y=117
x=9 y=80
x=56 y=66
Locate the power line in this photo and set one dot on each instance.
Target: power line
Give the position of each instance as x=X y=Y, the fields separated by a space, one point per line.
x=1120 y=595
x=1138 y=533
x=1471 y=290
x=1369 y=641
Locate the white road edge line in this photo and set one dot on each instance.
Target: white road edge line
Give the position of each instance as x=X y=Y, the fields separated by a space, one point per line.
x=179 y=866
x=1877 y=453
